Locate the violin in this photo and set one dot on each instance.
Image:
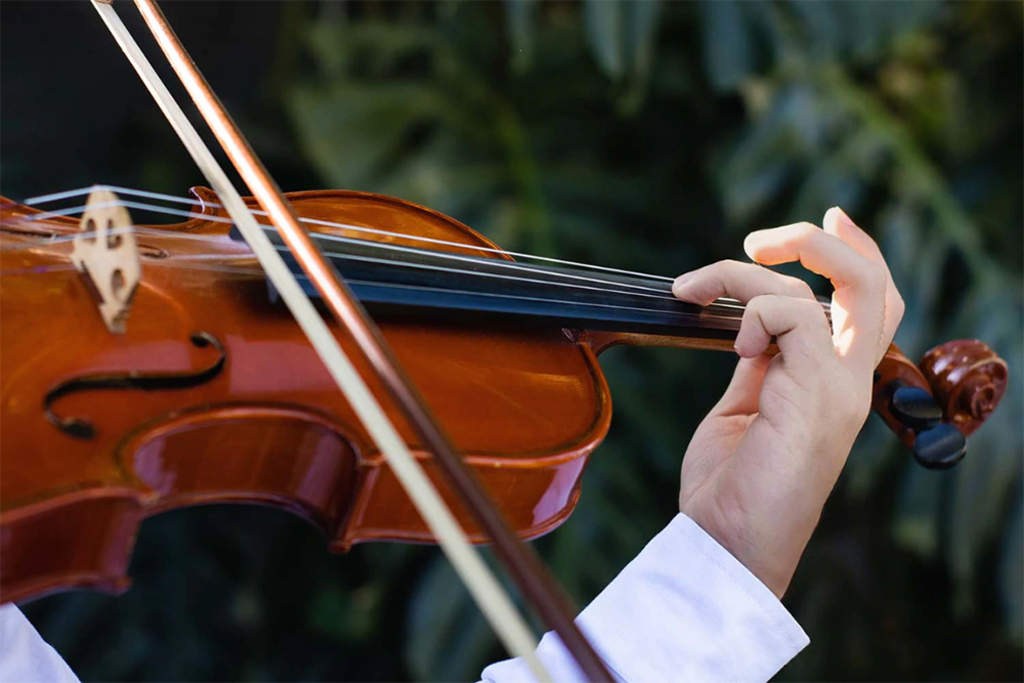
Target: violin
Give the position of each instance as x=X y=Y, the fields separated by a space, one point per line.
x=149 y=367
x=196 y=386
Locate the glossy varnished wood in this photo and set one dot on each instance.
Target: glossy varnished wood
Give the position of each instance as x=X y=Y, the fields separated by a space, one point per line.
x=525 y=406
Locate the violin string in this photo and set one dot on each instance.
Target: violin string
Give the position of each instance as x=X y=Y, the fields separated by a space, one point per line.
x=496 y=263
x=722 y=301
x=179 y=263
x=720 y=304
x=58 y=196
x=190 y=263
x=184 y=200
x=474 y=273
x=195 y=261
x=664 y=294
x=518 y=297
x=709 y=313
x=162 y=263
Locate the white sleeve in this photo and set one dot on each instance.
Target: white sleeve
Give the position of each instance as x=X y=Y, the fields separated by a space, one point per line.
x=683 y=610
x=24 y=656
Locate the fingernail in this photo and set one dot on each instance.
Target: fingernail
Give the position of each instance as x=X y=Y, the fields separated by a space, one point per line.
x=842 y=217
x=752 y=242
x=681 y=280
x=679 y=285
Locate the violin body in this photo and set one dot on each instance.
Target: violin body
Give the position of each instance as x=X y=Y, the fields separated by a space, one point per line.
x=211 y=393
x=525 y=406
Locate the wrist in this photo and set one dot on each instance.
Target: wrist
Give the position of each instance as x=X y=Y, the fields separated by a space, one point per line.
x=771 y=557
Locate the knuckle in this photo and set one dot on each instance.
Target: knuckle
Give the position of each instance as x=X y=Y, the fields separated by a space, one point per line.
x=761 y=303
x=810 y=309
x=875 y=276
x=760 y=311
x=898 y=307
x=732 y=268
x=799 y=289
x=807 y=231
x=797 y=310
x=870 y=278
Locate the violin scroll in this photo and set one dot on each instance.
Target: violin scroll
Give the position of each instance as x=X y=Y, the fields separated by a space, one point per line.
x=968 y=379
x=933 y=406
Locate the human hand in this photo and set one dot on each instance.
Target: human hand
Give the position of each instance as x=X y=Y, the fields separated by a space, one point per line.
x=762 y=463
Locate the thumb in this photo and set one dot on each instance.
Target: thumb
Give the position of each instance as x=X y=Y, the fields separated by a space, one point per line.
x=744 y=391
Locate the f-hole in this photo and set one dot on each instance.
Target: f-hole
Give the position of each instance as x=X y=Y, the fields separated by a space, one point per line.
x=83 y=428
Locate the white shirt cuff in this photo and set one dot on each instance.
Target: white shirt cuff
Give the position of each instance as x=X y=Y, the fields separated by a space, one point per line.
x=683 y=610
x=24 y=656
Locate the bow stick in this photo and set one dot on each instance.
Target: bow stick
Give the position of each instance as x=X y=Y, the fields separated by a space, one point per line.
x=523 y=565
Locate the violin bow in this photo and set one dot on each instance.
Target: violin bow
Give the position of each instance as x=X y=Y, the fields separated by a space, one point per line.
x=522 y=563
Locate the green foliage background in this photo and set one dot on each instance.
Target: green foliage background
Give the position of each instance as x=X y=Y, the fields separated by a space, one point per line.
x=642 y=135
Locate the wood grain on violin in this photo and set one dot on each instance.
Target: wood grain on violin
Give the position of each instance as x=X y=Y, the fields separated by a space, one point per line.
x=213 y=395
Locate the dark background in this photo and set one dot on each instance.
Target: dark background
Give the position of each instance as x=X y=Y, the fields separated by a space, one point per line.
x=649 y=136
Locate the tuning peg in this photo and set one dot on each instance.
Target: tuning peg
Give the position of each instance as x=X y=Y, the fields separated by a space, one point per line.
x=940 y=447
x=934 y=407
x=915 y=407
x=936 y=445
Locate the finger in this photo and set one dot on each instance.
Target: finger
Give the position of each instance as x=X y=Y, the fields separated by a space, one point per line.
x=858 y=311
x=742 y=281
x=838 y=223
x=744 y=391
x=798 y=326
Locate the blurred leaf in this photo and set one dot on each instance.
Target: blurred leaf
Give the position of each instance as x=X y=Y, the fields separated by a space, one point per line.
x=991 y=480
x=822 y=26
x=351 y=133
x=520 y=17
x=641 y=30
x=604 y=21
x=727 y=44
x=450 y=638
x=1011 y=570
x=622 y=35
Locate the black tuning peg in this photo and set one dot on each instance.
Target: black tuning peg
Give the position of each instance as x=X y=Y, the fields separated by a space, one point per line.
x=915 y=408
x=940 y=447
x=937 y=445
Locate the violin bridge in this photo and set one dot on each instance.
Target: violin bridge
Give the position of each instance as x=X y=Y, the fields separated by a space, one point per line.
x=107 y=256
